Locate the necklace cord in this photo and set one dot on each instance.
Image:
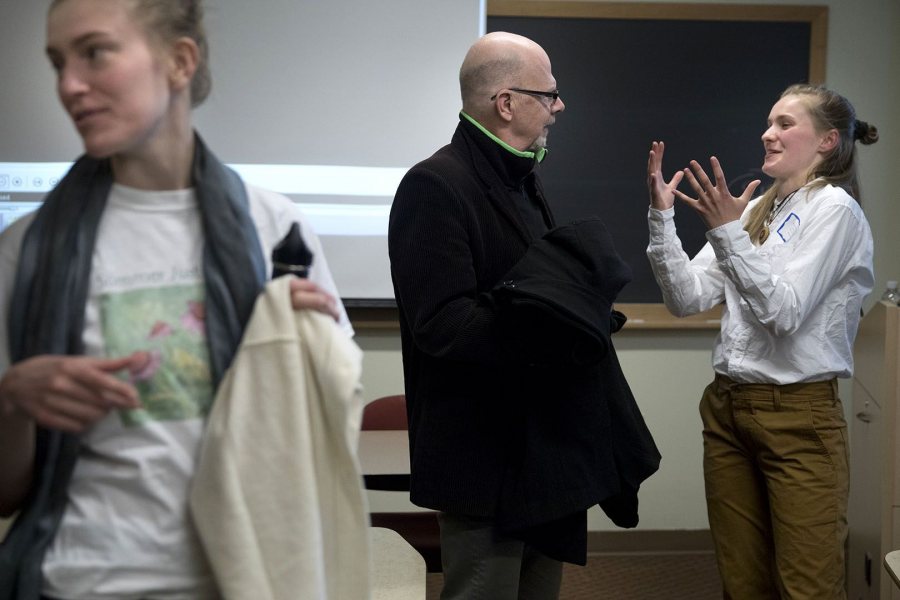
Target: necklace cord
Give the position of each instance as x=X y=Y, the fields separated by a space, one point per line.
x=777 y=206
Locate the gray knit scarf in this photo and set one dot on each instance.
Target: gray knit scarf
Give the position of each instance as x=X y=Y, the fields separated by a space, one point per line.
x=47 y=317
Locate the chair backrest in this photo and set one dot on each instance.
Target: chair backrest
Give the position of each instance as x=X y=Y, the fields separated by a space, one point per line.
x=385 y=413
x=419 y=528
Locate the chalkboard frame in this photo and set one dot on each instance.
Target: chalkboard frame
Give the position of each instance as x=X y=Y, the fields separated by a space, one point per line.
x=649 y=315
x=815 y=16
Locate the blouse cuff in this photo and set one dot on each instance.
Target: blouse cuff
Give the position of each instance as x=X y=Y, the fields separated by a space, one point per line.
x=729 y=239
x=661 y=222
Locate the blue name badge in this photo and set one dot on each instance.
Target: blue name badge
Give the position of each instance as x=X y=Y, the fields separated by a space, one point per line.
x=789 y=227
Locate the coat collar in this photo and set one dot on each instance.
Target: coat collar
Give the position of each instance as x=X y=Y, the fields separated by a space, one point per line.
x=538 y=156
x=488 y=161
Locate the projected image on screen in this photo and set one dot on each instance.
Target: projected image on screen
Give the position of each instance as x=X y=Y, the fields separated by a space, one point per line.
x=23 y=186
x=347 y=206
x=327 y=103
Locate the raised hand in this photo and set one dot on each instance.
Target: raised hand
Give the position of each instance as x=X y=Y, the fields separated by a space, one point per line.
x=662 y=194
x=714 y=201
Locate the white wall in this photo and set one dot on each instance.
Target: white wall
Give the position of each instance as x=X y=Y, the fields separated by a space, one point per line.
x=668 y=370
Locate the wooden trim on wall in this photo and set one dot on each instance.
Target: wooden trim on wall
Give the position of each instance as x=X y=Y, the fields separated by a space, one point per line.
x=640 y=317
x=657 y=316
x=816 y=16
x=371 y=318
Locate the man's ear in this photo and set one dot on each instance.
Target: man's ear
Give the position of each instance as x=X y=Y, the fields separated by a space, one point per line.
x=829 y=141
x=503 y=106
x=185 y=57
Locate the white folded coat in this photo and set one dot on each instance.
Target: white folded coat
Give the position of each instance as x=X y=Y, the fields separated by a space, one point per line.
x=277 y=498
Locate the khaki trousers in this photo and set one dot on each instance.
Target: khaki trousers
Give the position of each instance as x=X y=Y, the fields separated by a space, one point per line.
x=776 y=472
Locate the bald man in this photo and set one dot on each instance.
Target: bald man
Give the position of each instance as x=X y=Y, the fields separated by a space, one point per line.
x=460 y=220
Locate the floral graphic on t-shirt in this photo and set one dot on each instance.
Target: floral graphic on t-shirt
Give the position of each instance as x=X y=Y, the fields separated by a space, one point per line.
x=160 y=329
x=148 y=369
x=193 y=318
x=168 y=324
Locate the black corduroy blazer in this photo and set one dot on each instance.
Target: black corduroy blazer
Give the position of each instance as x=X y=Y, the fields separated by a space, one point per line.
x=454 y=231
x=498 y=427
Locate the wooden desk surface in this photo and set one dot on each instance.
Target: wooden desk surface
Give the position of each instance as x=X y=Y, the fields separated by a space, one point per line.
x=398 y=570
x=892 y=565
x=384 y=452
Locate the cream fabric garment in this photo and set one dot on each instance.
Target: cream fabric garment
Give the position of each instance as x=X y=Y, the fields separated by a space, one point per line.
x=278 y=498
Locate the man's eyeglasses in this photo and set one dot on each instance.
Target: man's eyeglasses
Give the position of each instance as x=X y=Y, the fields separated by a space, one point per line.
x=553 y=96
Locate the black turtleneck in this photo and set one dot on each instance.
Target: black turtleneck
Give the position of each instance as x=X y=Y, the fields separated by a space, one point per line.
x=517 y=173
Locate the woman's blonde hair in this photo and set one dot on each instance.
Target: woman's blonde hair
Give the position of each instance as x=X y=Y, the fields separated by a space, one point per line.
x=828 y=110
x=168 y=20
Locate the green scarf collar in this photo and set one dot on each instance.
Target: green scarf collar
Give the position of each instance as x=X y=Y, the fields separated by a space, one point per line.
x=539 y=155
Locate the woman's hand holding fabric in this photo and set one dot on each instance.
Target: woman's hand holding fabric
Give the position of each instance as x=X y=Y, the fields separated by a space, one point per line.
x=306 y=294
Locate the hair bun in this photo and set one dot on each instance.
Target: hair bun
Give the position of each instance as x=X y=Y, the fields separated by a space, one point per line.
x=865 y=133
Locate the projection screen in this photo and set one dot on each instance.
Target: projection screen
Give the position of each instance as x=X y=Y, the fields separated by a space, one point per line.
x=327 y=102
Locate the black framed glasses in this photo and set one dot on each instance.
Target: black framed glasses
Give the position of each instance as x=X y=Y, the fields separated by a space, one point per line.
x=552 y=96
